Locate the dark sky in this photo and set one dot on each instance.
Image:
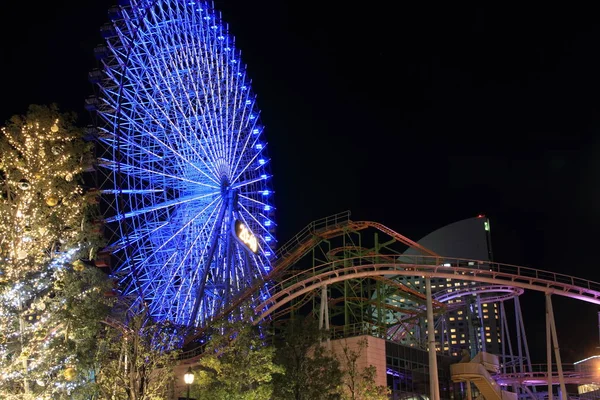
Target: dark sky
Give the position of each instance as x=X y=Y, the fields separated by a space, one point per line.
x=414 y=116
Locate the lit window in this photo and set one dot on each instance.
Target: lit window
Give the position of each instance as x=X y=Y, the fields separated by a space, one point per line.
x=485 y=311
x=485 y=304
x=453 y=342
x=487 y=334
x=453 y=336
x=459 y=312
x=460 y=318
x=487 y=328
x=485 y=317
x=451 y=318
x=462 y=342
x=452 y=330
x=488 y=340
x=462 y=335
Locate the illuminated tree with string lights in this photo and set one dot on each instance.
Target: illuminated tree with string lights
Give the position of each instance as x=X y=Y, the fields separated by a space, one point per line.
x=52 y=298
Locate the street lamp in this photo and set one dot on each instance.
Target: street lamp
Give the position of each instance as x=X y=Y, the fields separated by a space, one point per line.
x=189 y=379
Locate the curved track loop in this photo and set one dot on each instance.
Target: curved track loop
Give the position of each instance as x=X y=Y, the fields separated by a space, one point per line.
x=490 y=293
x=427 y=266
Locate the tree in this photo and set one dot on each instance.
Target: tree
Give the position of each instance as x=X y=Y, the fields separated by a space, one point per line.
x=43 y=208
x=135 y=356
x=51 y=298
x=311 y=371
x=237 y=363
x=360 y=384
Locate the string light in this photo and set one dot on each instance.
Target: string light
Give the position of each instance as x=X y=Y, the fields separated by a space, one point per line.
x=46 y=224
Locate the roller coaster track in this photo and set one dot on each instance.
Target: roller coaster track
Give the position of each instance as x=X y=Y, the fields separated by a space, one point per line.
x=308 y=238
x=434 y=267
x=508 y=292
x=541 y=377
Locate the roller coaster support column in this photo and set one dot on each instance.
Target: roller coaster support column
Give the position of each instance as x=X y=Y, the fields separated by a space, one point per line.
x=550 y=316
x=324 y=314
x=434 y=387
x=469 y=394
x=549 y=353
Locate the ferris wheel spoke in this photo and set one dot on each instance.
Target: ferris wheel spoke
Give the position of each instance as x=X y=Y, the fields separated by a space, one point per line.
x=159 y=206
x=187 y=123
x=248 y=163
x=164 y=144
x=145 y=172
x=172 y=236
x=264 y=206
x=256 y=222
x=158 y=81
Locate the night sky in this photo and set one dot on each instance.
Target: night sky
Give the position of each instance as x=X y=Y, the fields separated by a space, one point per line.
x=412 y=116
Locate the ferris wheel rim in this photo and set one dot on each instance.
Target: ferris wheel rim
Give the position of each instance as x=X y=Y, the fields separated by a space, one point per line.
x=128 y=217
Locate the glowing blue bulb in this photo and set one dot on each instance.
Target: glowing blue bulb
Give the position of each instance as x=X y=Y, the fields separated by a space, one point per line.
x=259 y=146
x=255 y=131
x=248 y=102
x=268 y=239
x=207 y=18
x=265 y=192
x=233 y=61
x=252 y=116
x=214 y=27
x=261 y=161
x=267 y=223
x=243 y=88
x=263 y=176
x=267 y=253
x=221 y=38
x=267 y=208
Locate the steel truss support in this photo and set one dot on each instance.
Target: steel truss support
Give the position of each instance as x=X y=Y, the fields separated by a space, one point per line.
x=434 y=387
x=552 y=341
x=324 y=313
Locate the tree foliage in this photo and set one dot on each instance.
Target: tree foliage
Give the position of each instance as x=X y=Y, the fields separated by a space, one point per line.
x=135 y=357
x=43 y=206
x=359 y=384
x=51 y=302
x=237 y=363
x=311 y=371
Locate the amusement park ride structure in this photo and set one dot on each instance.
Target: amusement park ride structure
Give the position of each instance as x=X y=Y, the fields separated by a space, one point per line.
x=349 y=279
x=185 y=179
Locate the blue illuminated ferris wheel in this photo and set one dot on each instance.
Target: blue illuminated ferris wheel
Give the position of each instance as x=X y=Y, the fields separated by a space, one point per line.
x=186 y=171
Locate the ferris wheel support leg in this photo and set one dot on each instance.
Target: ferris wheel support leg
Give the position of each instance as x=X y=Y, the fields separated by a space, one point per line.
x=561 y=378
x=434 y=387
x=213 y=246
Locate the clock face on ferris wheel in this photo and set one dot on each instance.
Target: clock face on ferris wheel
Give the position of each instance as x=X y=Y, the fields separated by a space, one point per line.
x=189 y=199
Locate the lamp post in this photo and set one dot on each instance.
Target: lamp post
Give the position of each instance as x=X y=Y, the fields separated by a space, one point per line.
x=189 y=379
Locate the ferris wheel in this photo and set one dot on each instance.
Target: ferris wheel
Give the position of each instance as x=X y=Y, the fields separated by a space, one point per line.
x=187 y=183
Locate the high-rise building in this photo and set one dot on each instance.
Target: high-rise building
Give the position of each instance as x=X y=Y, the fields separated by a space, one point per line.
x=470 y=323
